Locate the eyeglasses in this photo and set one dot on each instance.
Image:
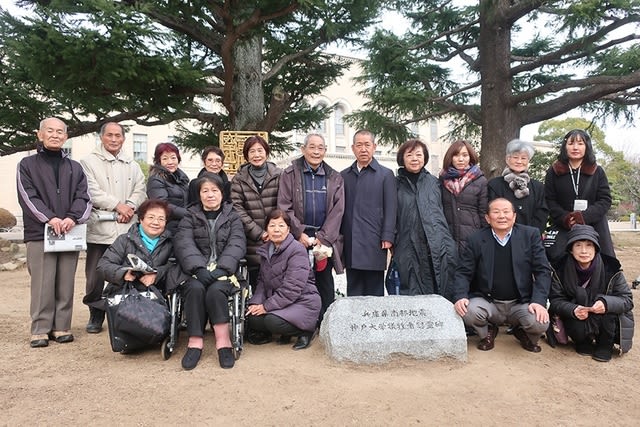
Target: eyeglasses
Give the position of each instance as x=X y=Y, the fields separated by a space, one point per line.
x=152 y=218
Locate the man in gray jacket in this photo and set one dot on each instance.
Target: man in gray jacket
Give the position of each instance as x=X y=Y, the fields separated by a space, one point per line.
x=117 y=188
x=312 y=194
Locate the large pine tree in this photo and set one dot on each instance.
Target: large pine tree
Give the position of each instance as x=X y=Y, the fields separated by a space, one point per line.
x=476 y=66
x=227 y=64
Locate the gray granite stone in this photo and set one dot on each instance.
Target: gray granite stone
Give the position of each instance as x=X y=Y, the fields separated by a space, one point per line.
x=371 y=330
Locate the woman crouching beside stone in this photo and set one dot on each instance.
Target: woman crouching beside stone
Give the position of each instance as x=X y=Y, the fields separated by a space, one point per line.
x=286 y=301
x=591 y=296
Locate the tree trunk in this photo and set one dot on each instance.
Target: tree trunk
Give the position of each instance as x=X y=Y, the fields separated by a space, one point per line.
x=248 y=94
x=500 y=116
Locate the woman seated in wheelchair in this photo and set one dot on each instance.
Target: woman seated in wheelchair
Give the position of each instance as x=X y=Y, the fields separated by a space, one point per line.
x=142 y=254
x=592 y=297
x=286 y=301
x=210 y=243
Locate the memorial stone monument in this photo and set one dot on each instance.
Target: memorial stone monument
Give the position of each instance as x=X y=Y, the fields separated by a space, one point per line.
x=370 y=330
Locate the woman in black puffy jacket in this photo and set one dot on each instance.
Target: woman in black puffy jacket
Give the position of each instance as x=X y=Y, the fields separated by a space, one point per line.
x=210 y=243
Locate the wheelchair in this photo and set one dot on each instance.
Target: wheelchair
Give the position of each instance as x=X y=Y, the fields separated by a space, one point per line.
x=237 y=310
x=237 y=303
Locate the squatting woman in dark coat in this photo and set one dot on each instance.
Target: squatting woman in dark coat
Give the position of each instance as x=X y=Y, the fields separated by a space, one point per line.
x=210 y=243
x=591 y=296
x=286 y=301
x=424 y=250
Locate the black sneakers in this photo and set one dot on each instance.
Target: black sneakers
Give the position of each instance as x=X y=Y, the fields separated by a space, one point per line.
x=96 y=319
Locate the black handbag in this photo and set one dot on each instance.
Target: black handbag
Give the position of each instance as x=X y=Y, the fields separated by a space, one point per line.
x=555 y=243
x=137 y=319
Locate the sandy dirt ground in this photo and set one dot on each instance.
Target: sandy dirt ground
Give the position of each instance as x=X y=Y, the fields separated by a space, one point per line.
x=84 y=382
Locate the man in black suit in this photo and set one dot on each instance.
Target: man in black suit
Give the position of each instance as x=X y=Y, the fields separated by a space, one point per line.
x=504 y=276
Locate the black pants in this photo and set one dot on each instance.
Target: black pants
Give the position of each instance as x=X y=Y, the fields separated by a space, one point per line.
x=601 y=326
x=206 y=302
x=273 y=324
x=365 y=282
x=326 y=288
x=95 y=279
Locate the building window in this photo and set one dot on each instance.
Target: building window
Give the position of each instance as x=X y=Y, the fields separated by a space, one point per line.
x=433 y=127
x=140 y=147
x=66 y=148
x=339 y=121
x=321 y=127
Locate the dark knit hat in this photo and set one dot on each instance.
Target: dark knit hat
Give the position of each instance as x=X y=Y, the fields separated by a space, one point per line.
x=582 y=232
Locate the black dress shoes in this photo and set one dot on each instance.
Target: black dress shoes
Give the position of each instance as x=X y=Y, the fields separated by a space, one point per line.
x=487 y=343
x=525 y=342
x=303 y=342
x=38 y=341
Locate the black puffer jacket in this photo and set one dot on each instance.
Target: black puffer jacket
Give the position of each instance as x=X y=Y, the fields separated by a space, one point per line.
x=193 y=241
x=171 y=187
x=612 y=289
x=114 y=262
x=254 y=206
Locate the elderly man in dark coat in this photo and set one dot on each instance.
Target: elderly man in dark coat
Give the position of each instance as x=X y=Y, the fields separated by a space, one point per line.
x=368 y=224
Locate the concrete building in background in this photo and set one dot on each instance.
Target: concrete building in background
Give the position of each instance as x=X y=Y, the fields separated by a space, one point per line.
x=343 y=95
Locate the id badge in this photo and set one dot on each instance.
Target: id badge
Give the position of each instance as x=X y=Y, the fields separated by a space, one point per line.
x=580 y=205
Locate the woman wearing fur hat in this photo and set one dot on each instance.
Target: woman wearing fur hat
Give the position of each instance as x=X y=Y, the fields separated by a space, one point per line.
x=591 y=296
x=577 y=190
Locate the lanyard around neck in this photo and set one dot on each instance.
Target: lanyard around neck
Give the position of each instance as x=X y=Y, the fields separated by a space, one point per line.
x=575 y=182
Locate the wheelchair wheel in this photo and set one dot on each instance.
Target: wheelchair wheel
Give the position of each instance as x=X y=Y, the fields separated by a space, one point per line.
x=166 y=349
x=237 y=333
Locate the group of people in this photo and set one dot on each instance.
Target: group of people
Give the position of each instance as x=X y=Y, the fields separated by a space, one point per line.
x=474 y=242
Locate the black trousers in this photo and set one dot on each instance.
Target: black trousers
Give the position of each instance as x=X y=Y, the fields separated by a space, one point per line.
x=326 y=288
x=253 y=273
x=365 y=282
x=95 y=280
x=273 y=324
x=602 y=327
x=202 y=303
